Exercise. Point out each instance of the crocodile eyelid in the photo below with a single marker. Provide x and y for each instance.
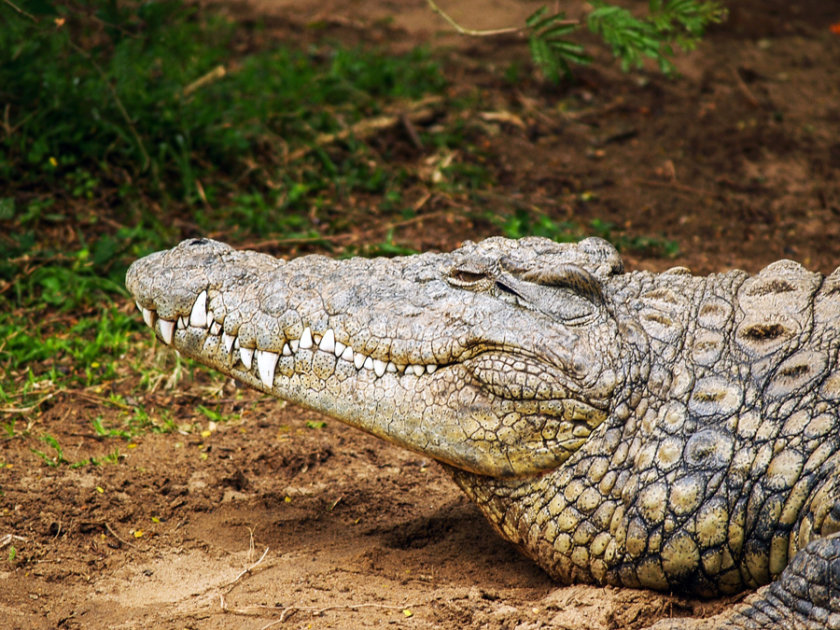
(570, 277)
(466, 277)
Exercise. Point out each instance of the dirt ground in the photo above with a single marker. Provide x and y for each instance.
(271, 520)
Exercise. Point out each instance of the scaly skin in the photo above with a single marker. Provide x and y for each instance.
(662, 431)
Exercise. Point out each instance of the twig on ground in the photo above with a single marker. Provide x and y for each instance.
(745, 90)
(31, 407)
(21, 11)
(471, 31)
(246, 570)
(214, 75)
(8, 539)
(411, 130)
(419, 111)
(79, 393)
(251, 545)
(422, 201)
(681, 188)
(115, 535)
(579, 115)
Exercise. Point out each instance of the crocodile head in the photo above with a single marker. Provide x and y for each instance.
(496, 358)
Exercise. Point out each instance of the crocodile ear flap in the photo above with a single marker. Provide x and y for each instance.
(567, 276)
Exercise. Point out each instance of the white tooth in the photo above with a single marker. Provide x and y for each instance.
(294, 344)
(390, 367)
(247, 356)
(215, 328)
(339, 348)
(148, 316)
(306, 338)
(359, 360)
(418, 370)
(236, 343)
(266, 362)
(287, 351)
(431, 368)
(198, 316)
(182, 323)
(378, 367)
(210, 317)
(347, 355)
(368, 363)
(328, 341)
(228, 341)
(167, 329)
(316, 340)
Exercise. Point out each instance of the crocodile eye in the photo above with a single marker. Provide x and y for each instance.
(464, 277)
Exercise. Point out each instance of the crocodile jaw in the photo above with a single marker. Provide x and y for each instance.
(432, 386)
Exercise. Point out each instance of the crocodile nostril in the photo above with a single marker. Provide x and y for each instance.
(198, 241)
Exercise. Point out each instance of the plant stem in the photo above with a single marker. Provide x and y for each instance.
(21, 11)
(469, 31)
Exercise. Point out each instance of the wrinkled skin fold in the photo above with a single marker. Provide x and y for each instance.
(662, 431)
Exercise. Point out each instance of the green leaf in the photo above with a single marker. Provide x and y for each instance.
(550, 50)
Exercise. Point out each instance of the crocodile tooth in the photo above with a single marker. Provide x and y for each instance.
(148, 316)
(418, 370)
(266, 362)
(328, 341)
(287, 351)
(400, 368)
(198, 316)
(339, 348)
(215, 328)
(378, 367)
(236, 343)
(368, 363)
(294, 344)
(228, 341)
(181, 324)
(306, 338)
(247, 356)
(391, 367)
(359, 360)
(431, 368)
(167, 330)
(347, 355)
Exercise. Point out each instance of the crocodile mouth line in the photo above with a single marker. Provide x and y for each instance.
(265, 362)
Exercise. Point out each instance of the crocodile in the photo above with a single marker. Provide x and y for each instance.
(648, 430)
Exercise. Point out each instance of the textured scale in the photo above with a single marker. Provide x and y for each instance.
(661, 431)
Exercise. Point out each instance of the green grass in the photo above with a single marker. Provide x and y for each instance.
(121, 111)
